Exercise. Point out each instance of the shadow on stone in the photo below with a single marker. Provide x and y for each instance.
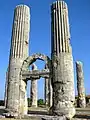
(82, 116)
(2, 111)
(38, 112)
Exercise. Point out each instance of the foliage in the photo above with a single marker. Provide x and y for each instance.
(29, 102)
(1, 102)
(41, 102)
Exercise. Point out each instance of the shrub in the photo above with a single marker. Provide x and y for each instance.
(41, 102)
(1, 102)
(29, 102)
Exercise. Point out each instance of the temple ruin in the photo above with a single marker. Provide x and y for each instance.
(58, 72)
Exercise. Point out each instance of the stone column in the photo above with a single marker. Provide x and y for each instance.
(6, 87)
(46, 92)
(34, 89)
(62, 62)
(16, 93)
(50, 93)
(46, 88)
(80, 85)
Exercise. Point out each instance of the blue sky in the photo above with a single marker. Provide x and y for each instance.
(79, 16)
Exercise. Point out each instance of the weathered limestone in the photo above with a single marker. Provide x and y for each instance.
(37, 56)
(48, 90)
(50, 93)
(6, 88)
(16, 100)
(59, 76)
(80, 85)
(34, 89)
(62, 62)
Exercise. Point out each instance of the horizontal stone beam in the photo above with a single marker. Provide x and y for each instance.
(35, 74)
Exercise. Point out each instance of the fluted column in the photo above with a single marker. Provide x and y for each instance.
(20, 32)
(80, 85)
(62, 62)
(34, 89)
(18, 52)
(60, 28)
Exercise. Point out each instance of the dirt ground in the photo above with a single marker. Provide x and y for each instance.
(38, 113)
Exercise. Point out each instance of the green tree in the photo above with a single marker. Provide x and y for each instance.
(29, 102)
(41, 102)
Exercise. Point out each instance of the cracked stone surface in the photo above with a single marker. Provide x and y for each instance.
(62, 62)
(16, 92)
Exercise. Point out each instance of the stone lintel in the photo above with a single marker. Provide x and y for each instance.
(25, 78)
(35, 74)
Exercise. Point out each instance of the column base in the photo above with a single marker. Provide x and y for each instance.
(62, 112)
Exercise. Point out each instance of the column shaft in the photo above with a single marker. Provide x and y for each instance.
(80, 85)
(34, 89)
(50, 93)
(18, 52)
(6, 88)
(62, 62)
(46, 91)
